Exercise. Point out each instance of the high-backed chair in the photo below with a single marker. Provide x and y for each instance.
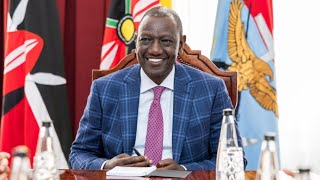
(191, 58)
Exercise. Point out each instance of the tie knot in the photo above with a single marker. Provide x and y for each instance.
(158, 91)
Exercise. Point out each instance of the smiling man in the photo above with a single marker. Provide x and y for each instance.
(167, 111)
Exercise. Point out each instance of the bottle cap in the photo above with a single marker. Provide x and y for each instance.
(46, 123)
(304, 170)
(269, 136)
(20, 151)
(228, 112)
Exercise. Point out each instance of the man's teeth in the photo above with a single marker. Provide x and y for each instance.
(155, 60)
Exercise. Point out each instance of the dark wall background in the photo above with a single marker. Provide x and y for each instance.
(2, 4)
(82, 25)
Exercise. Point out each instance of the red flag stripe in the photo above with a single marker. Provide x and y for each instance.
(145, 9)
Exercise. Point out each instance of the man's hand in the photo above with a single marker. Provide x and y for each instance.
(169, 164)
(4, 169)
(126, 160)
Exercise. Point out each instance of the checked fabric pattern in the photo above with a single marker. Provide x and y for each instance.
(154, 138)
(112, 107)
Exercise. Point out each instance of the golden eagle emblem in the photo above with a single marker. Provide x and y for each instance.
(252, 71)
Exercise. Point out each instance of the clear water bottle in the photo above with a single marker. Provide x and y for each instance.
(229, 162)
(304, 174)
(268, 164)
(20, 166)
(44, 159)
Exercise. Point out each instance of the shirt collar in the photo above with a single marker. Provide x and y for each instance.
(147, 83)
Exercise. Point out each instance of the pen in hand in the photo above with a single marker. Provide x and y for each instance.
(136, 151)
(138, 154)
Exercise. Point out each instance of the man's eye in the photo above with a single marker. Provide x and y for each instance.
(166, 42)
(145, 40)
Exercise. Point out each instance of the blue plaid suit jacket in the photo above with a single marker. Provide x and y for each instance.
(108, 125)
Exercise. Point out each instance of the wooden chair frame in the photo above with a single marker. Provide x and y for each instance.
(191, 58)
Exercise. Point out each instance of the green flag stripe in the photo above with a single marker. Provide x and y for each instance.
(111, 22)
(128, 5)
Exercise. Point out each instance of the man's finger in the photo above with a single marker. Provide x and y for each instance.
(165, 162)
(4, 155)
(124, 155)
(4, 162)
(169, 167)
(3, 176)
(134, 159)
(130, 160)
(4, 165)
(145, 163)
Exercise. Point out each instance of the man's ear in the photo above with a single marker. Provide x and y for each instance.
(182, 41)
(136, 53)
(135, 38)
(184, 38)
(136, 44)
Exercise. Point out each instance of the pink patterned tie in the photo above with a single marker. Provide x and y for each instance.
(154, 138)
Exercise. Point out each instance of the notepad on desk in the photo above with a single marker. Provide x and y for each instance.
(131, 171)
(128, 177)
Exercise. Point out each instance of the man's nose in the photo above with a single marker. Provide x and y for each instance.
(155, 48)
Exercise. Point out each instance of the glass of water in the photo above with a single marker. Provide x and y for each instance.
(233, 167)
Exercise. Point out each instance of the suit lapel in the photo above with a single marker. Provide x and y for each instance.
(181, 109)
(129, 103)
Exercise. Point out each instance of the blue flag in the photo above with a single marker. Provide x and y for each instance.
(243, 42)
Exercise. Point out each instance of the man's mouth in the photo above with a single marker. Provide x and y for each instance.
(155, 60)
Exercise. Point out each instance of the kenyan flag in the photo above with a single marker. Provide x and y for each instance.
(121, 24)
(34, 86)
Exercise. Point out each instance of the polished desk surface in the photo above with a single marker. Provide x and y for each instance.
(101, 174)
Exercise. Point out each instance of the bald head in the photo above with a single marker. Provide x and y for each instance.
(161, 11)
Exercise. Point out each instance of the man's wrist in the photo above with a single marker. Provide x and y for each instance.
(183, 168)
(103, 164)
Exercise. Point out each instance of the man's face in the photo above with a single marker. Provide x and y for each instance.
(158, 43)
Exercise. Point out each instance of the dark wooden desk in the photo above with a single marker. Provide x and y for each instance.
(101, 174)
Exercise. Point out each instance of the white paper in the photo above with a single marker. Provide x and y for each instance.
(131, 171)
(128, 177)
